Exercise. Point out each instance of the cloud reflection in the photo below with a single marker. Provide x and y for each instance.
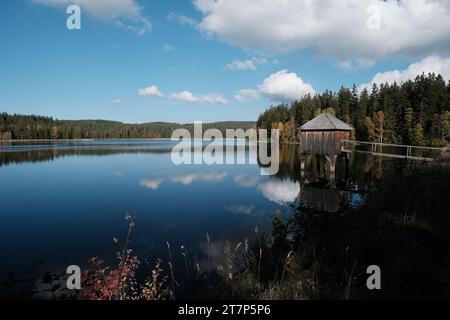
(280, 191)
(189, 178)
(246, 181)
(241, 209)
(151, 184)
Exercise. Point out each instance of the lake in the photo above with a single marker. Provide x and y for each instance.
(64, 202)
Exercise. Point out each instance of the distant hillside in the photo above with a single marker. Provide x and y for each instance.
(39, 127)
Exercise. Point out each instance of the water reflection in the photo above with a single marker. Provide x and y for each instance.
(241, 209)
(151, 184)
(246, 181)
(280, 191)
(187, 179)
(89, 185)
(332, 189)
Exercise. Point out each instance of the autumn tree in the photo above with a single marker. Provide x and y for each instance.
(417, 135)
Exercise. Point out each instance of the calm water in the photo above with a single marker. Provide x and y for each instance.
(64, 202)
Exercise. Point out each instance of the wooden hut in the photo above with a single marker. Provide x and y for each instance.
(323, 135)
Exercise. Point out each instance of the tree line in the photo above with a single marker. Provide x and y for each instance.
(17, 126)
(416, 112)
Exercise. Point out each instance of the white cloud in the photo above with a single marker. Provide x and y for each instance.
(125, 13)
(117, 101)
(187, 179)
(280, 191)
(432, 64)
(241, 65)
(332, 28)
(151, 184)
(185, 96)
(250, 64)
(285, 86)
(355, 64)
(246, 94)
(182, 19)
(151, 91)
(212, 98)
(167, 48)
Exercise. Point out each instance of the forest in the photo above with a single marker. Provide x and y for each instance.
(38, 127)
(413, 113)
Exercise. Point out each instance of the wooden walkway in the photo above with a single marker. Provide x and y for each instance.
(376, 149)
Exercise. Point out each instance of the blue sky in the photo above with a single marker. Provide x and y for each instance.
(187, 57)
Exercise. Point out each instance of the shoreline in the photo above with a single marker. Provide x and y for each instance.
(2, 142)
(51, 140)
(118, 139)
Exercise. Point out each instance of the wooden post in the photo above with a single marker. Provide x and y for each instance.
(331, 159)
(302, 165)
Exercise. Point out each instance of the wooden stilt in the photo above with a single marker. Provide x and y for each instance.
(331, 159)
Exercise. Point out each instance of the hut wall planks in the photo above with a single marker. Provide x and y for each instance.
(322, 142)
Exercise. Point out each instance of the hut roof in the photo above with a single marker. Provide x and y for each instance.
(325, 121)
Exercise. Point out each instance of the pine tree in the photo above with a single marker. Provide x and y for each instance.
(344, 101)
(378, 120)
(417, 135)
(361, 115)
(445, 125)
(354, 105)
(373, 100)
(370, 129)
(408, 125)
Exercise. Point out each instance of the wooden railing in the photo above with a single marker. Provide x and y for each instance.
(377, 149)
